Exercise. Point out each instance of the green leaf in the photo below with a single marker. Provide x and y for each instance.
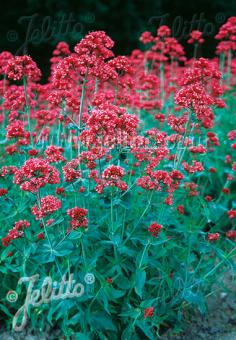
(195, 299)
(64, 248)
(102, 321)
(81, 336)
(140, 279)
(145, 328)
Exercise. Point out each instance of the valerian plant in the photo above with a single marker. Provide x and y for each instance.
(122, 168)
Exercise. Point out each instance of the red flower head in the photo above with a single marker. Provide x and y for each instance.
(35, 174)
(149, 312)
(48, 205)
(22, 66)
(213, 236)
(78, 217)
(155, 229)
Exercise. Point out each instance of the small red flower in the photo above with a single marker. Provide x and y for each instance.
(40, 236)
(155, 229)
(180, 209)
(208, 198)
(3, 192)
(231, 213)
(213, 236)
(231, 234)
(149, 312)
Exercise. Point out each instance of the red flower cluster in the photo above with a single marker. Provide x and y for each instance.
(16, 232)
(78, 217)
(148, 312)
(155, 229)
(196, 37)
(54, 154)
(47, 205)
(213, 236)
(195, 94)
(111, 177)
(3, 192)
(232, 213)
(35, 174)
(227, 33)
(22, 66)
(231, 234)
(71, 170)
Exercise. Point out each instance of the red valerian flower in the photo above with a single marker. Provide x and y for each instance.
(196, 37)
(71, 170)
(60, 191)
(16, 130)
(111, 176)
(232, 135)
(198, 149)
(40, 236)
(96, 44)
(226, 191)
(15, 232)
(231, 213)
(78, 217)
(208, 198)
(22, 66)
(227, 33)
(213, 236)
(195, 167)
(195, 93)
(33, 152)
(35, 174)
(3, 192)
(146, 37)
(5, 56)
(231, 234)
(180, 209)
(54, 154)
(48, 205)
(155, 229)
(19, 225)
(148, 312)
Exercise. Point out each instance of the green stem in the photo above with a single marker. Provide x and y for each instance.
(144, 212)
(195, 50)
(81, 107)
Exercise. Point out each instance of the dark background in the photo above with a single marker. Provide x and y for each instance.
(35, 27)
